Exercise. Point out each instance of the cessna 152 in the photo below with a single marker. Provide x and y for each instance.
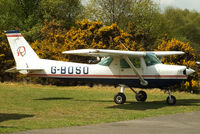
(124, 68)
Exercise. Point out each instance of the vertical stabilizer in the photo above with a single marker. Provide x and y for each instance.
(24, 55)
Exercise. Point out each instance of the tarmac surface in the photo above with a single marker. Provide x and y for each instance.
(184, 123)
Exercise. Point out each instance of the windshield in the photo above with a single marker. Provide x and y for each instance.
(151, 59)
(106, 61)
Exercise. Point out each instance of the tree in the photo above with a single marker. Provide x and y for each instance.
(21, 14)
(6, 58)
(109, 11)
(141, 18)
(65, 11)
(29, 15)
(50, 46)
(183, 25)
(32, 18)
(62, 12)
(10, 15)
(145, 23)
(30, 12)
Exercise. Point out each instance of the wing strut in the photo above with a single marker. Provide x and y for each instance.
(142, 81)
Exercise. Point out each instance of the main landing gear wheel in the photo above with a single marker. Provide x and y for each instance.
(141, 96)
(171, 100)
(120, 98)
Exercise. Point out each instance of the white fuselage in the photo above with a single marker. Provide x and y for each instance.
(159, 75)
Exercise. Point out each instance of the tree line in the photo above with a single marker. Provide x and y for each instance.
(53, 26)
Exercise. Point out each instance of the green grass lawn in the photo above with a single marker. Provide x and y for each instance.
(26, 107)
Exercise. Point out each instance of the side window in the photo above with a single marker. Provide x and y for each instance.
(135, 61)
(124, 64)
(106, 61)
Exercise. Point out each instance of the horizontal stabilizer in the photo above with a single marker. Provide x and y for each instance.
(106, 52)
(14, 69)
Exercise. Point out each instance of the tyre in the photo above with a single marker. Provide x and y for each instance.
(141, 96)
(120, 98)
(171, 101)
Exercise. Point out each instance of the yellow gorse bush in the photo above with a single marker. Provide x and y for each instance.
(194, 84)
(86, 34)
(188, 59)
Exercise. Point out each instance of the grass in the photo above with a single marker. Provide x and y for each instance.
(26, 107)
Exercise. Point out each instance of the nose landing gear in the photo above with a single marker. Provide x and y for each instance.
(171, 100)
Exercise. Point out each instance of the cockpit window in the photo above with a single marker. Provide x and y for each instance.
(135, 61)
(151, 59)
(106, 61)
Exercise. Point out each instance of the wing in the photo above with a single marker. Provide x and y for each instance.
(167, 53)
(118, 53)
(103, 52)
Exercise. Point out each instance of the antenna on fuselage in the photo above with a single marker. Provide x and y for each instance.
(123, 45)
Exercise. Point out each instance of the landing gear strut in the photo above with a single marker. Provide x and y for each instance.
(171, 100)
(140, 96)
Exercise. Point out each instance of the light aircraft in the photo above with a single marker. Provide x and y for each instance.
(131, 69)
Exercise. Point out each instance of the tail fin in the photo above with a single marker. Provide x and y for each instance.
(24, 55)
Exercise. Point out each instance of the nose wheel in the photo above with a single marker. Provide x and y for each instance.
(171, 100)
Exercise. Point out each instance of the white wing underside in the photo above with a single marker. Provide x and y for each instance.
(118, 53)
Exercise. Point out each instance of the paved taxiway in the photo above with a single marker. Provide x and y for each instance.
(184, 123)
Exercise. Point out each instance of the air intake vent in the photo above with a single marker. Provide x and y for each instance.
(184, 72)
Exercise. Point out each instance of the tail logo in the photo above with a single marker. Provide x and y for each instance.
(21, 51)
